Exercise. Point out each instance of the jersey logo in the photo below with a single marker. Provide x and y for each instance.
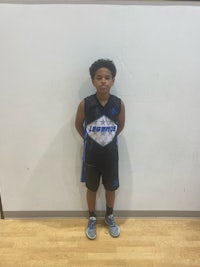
(102, 131)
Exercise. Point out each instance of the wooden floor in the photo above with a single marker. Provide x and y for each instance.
(62, 243)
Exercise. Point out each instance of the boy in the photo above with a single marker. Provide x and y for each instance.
(99, 120)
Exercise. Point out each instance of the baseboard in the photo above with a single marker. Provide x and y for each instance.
(118, 213)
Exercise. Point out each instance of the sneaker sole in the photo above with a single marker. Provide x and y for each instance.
(110, 232)
(89, 237)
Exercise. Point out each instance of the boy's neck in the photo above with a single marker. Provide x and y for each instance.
(103, 98)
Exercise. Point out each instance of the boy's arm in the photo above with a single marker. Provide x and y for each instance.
(121, 118)
(80, 117)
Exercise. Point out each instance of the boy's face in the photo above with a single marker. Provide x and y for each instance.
(103, 80)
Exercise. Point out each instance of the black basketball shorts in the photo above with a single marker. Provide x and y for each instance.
(108, 173)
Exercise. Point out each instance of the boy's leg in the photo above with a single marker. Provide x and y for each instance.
(110, 200)
(109, 218)
(111, 183)
(91, 201)
(92, 184)
(91, 228)
(92, 176)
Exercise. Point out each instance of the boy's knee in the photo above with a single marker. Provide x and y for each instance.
(92, 188)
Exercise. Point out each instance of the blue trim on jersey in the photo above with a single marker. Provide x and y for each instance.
(83, 179)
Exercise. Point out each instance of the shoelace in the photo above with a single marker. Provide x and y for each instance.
(111, 222)
(92, 224)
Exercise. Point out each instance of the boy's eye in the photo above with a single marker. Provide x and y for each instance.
(100, 78)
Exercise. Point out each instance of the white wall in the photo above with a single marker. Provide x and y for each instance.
(45, 53)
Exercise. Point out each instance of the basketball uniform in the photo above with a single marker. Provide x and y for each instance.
(100, 155)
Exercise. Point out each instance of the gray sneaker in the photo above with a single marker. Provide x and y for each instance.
(91, 228)
(114, 229)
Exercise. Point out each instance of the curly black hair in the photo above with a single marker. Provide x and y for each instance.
(102, 63)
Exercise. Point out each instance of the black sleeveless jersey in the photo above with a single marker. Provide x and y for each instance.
(100, 135)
